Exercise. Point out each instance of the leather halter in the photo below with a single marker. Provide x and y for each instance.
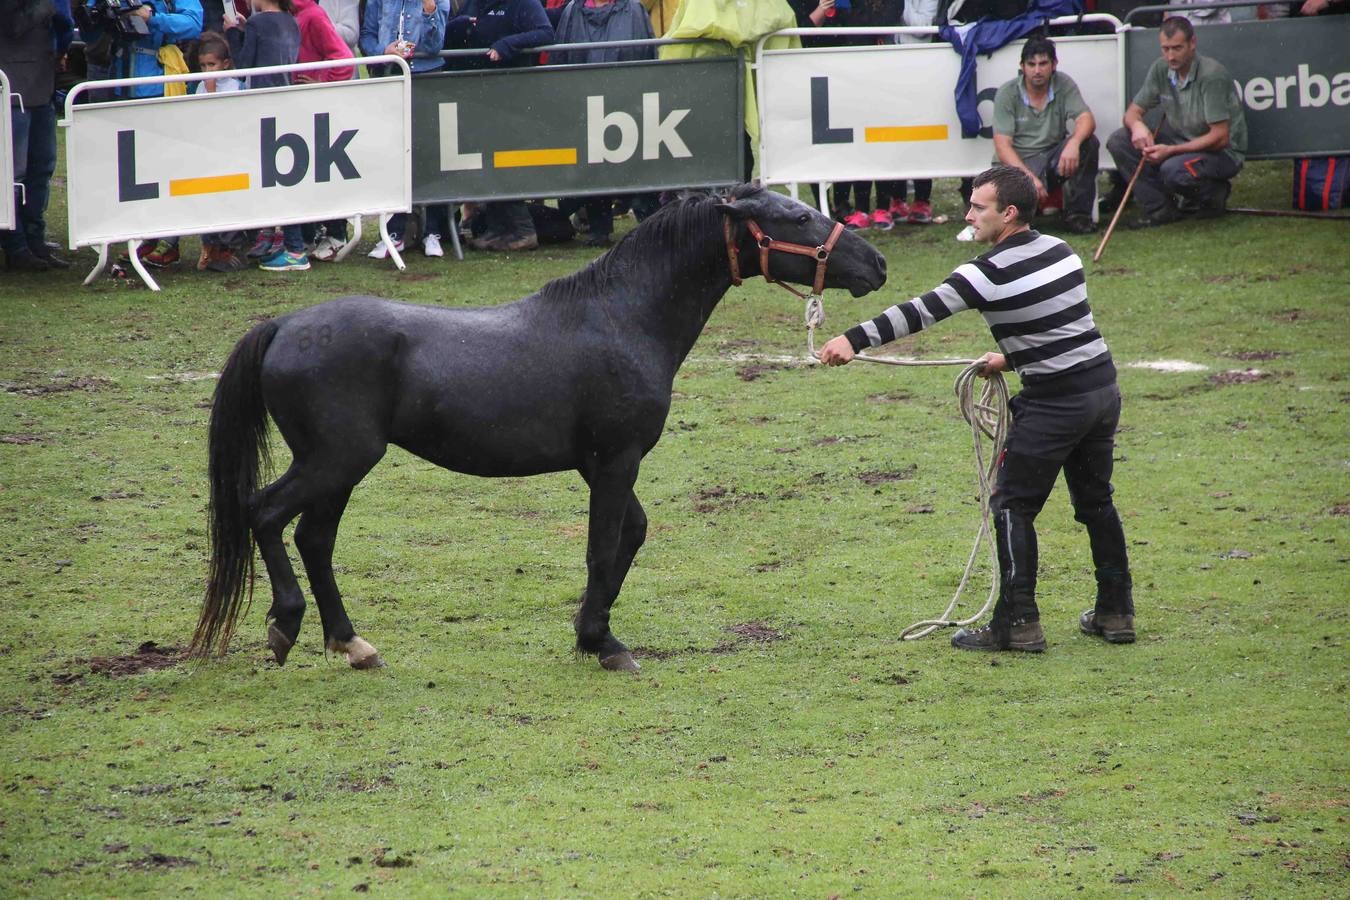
(766, 244)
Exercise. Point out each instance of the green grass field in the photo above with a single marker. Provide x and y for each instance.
(781, 739)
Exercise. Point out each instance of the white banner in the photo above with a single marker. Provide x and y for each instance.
(889, 112)
(247, 159)
(9, 216)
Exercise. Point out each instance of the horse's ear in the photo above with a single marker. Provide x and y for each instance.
(737, 209)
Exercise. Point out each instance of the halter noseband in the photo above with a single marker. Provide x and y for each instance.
(766, 244)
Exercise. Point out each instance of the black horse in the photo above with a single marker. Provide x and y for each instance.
(576, 376)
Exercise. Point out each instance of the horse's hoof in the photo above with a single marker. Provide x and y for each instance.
(360, 654)
(278, 643)
(620, 662)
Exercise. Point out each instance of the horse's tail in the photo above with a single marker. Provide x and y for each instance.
(237, 454)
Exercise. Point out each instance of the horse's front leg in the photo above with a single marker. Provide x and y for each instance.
(607, 559)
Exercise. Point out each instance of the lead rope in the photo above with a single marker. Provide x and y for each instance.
(989, 419)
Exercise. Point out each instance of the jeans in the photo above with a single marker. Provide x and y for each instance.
(34, 148)
(1202, 177)
(1080, 189)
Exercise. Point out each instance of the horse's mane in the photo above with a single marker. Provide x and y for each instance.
(662, 243)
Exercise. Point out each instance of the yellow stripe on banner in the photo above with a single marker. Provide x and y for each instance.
(215, 184)
(905, 133)
(515, 159)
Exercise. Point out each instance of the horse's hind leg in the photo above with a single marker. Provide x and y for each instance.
(272, 510)
(315, 535)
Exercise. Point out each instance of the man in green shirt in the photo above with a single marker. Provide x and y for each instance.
(1043, 127)
(1203, 141)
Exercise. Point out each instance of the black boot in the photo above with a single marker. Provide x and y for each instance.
(1015, 624)
(1112, 617)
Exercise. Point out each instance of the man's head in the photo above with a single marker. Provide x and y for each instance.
(1038, 63)
(1176, 37)
(1002, 202)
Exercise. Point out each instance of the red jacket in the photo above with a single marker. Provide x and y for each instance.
(319, 40)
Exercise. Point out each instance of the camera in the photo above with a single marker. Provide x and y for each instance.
(115, 16)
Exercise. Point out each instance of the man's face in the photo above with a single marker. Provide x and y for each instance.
(1178, 50)
(984, 215)
(1036, 71)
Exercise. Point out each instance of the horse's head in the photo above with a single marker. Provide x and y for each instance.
(775, 236)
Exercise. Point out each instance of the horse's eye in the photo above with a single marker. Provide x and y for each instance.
(803, 218)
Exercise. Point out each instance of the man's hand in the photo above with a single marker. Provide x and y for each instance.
(1140, 136)
(837, 352)
(1042, 194)
(1068, 159)
(991, 364)
(1156, 153)
(494, 56)
(145, 12)
(428, 7)
(1313, 7)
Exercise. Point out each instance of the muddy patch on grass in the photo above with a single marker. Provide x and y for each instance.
(755, 371)
(1289, 315)
(882, 477)
(159, 861)
(1255, 355)
(21, 439)
(148, 657)
(716, 499)
(898, 396)
(1240, 376)
(743, 636)
(58, 386)
(1341, 509)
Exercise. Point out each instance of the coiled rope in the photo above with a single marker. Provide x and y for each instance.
(989, 420)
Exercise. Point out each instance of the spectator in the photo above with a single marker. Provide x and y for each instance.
(1200, 147)
(1033, 113)
(220, 252)
(918, 14)
(346, 18)
(414, 30)
(271, 37)
(112, 56)
(600, 20)
(504, 28)
(320, 42)
(34, 35)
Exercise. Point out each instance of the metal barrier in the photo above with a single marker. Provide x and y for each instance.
(172, 165)
(9, 215)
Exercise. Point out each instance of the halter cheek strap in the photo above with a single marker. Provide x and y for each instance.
(767, 245)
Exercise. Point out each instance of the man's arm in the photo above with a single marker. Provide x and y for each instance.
(952, 296)
(1213, 141)
(1140, 136)
(1071, 157)
(1003, 149)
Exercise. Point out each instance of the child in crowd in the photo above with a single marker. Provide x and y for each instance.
(219, 251)
(270, 37)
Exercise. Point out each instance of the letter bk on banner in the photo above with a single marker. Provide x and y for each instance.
(247, 159)
(889, 112)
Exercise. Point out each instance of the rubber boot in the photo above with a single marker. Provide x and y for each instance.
(1015, 624)
(1112, 617)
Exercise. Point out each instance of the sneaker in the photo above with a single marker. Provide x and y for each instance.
(1024, 636)
(899, 211)
(164, 254)
(485, 241)
(268, 244)
(857, 221)
(223, 259)
(509, 243)
(920, 213)
(327, 248)
(285, 261)
(1114, 629)
(881, 220)
(142, 251)
(1079, 225)
(381, 250)
(431, 245)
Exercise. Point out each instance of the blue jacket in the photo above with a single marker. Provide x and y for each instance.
(63, 26)
(507, 26)
(380, 28)
(183, 24)
(986, 36)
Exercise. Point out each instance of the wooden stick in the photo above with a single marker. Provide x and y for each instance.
(1125, 199)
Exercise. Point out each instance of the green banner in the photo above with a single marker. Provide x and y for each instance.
(1293, 74)
(575, 130)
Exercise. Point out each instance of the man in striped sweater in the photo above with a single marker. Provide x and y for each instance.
(1031, 291)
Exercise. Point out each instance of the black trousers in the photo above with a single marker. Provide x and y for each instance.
(1075, 434)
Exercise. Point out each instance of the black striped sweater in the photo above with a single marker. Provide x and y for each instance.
(1033, 295)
